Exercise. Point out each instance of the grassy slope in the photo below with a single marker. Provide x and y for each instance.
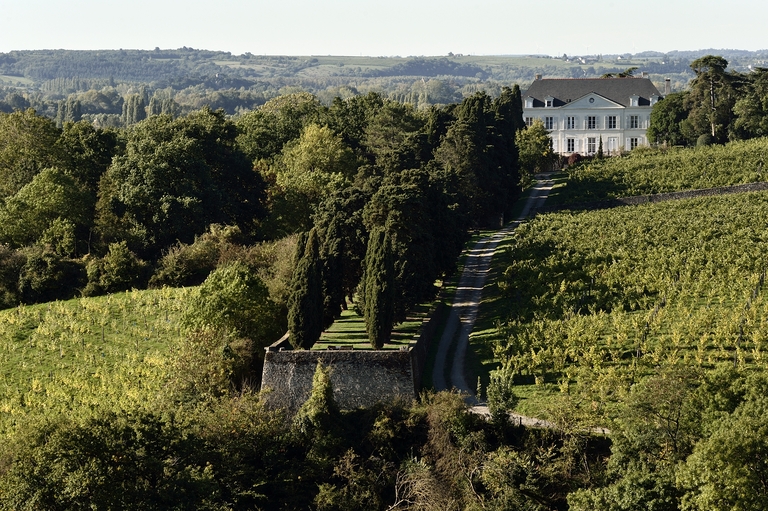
(654, 171)
(110, 350)
(349, 330)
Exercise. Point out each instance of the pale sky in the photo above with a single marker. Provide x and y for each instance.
(389, 27)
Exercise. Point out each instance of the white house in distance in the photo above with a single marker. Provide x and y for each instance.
(579, 111)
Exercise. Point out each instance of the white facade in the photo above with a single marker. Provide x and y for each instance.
(577, 125)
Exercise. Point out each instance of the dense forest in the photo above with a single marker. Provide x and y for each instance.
(163, 220)
(88, 211)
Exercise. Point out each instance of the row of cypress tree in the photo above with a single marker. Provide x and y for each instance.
(424, 181)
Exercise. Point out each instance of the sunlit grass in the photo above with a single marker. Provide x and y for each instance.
(109, 350)
(349, 331)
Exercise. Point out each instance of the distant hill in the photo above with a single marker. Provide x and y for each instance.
(238, 83)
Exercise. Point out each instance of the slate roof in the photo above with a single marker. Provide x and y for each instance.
(566, 90)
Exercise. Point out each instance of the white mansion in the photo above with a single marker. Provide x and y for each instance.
(579, 112)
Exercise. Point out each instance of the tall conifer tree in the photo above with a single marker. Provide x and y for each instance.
(332, 255)
(379, 288)
(305, 303)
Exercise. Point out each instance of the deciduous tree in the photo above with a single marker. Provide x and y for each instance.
(50, 195)
(234, 299)
(263, 132)
(535, 147)
(27, 146)
(728, 470)
(175, 179)
(668, 123)
(751, 108)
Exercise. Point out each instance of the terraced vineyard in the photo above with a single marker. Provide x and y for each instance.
(600, 299)
(648, 171)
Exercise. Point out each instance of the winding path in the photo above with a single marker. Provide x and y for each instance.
(453, 345)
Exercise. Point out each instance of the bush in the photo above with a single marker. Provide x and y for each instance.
(11, 263)
(501, 394)
(186, 265)
(574, 158)
(704, 140)
(135, 461)
(189, 265)
(209, 363)
(234, 299)
(60, 237)
(275, 266)
(119, 270)
(46, 277)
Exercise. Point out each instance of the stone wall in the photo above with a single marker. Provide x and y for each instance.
(360, 378)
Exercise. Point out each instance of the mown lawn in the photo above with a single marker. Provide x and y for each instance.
(349, 331)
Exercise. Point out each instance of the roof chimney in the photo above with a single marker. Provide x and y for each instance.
(538, 77)
(667, 87)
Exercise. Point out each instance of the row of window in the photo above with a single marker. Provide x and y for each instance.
(571, 144)
(590, 121)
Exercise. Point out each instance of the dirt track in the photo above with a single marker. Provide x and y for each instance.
(448, 372)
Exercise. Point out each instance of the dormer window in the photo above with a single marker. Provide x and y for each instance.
(529, 102)
(634, 100)
(549, 101)
(654, 99)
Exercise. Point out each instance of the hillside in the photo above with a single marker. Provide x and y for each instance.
(112, 352)
(102, 79)
(650, 171)
(637, 332)
(552, 269)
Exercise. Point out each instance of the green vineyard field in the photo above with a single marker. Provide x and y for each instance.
(649, 171)
(600, 299)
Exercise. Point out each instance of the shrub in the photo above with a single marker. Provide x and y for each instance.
(47, 276)
(209, 363)
(186, 265)
(501, 394)
(11, 263)
(119, 270)
(133, 461)
(60, 237)
(189, 265)
(320, 411)
(276, 268)
(574, 158)
(704, 140)
(234, 299)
